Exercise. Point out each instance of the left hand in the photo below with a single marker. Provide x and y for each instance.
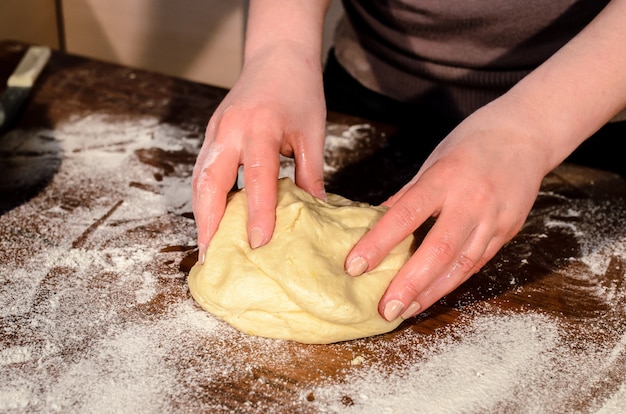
(482, 180)
(479, 184)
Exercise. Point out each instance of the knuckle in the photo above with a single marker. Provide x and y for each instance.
(199, 174)
(411, 288)
(479, 265)
(483, 189)
(202, 178)
(407, 287)
(371, 250)
(243, 118)
(376, 252)
(442, 251)
(261, 119)
(404, 217)
(228, 119)
(465, 264)
(480, 194)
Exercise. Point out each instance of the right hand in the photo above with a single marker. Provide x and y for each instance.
(276, 107)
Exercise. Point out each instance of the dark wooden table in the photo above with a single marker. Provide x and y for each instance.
(97, 238)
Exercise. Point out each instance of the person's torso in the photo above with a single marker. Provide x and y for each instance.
(468, 43)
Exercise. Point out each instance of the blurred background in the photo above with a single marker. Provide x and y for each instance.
(199, 40)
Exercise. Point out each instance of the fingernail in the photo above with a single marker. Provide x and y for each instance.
(201, 253)
(256, 237)
(357, 266)
(411, 310)
(393, 309)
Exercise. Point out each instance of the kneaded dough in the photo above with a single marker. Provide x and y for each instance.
(295, 287)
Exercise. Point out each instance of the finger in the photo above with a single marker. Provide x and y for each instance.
(310, 165)
(444, 248)
(455, 278)
(404, 217)
(213, 177)
(260, 168)
(469, 261)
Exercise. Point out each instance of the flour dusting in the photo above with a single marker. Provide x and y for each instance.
(95, 314)
(496, 363)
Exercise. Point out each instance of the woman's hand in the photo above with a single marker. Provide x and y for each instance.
(276, 107)
(479, 184)
(482, 180)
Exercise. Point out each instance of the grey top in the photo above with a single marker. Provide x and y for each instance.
(456, 54)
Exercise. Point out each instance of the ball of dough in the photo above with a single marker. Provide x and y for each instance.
(295, 287)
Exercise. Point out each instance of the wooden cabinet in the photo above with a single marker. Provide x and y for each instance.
(199, 40)
(30, 21)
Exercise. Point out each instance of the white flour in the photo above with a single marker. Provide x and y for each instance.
(97, 318)
(497, 363)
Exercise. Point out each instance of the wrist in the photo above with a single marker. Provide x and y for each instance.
(533, 129)
(294, 24)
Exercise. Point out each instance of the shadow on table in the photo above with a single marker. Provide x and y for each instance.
(28, 162)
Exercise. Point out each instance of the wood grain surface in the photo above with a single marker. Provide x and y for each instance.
(97, 238)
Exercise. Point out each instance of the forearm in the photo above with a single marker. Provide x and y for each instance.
(295, 24)
(577, 90)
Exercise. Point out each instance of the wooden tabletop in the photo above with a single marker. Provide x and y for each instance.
(97, 238)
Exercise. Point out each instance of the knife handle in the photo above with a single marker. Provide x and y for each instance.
(30, 67)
